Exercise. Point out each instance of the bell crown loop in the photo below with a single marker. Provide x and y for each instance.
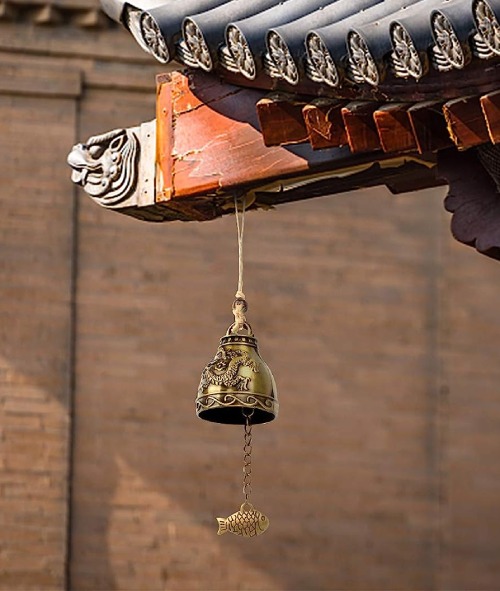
(240, 306)
(235, 329)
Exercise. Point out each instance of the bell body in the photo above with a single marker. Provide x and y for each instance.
(235, 382)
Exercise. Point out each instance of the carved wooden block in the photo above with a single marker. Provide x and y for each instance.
(281, 120)
(490, 103)
(394, 128)
(360, 127)
(324, 123)
(465, 120)
(429, 126)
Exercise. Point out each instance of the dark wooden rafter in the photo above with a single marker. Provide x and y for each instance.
(429, 126)
(490, 104)
(324, 123)
(466, 122)
(394, 128)
(360, 127)
(367, 126)
(281, 117)
(210, 141)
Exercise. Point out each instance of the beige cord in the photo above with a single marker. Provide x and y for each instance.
(240, 225)
(240, 305)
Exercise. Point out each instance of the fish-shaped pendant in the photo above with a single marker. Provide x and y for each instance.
(247, 522)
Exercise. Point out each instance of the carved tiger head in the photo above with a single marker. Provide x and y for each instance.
(106, 166)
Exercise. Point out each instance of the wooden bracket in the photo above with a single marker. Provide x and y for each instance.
(324, 123)
(206, 146)
(394, 128)
(281, 121)
(465, 120)
(360, 127)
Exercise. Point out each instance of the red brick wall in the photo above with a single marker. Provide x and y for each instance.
(41, 75)
(35, 338)
(381, 471)
(366, 477)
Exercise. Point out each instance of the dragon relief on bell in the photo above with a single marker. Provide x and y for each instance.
(224, 370)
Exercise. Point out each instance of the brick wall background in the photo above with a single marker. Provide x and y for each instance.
(382, 471)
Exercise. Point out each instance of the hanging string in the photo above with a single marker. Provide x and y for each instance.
(240, 305)
(240, 225)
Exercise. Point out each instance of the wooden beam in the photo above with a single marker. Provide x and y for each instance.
(394, 128)
(205, 147)
(209, 143)
(164, 139)
(324, 123)
(466, 123)
(429, 127)
(362, 135)
(281, 120)
(490, 104)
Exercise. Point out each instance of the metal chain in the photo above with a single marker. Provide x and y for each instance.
(247, 457)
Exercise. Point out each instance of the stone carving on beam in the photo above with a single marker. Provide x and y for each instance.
(113, 167)
(487, 39)
(448, 52)
(405, 59)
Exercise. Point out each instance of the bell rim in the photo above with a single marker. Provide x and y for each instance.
(265, 404)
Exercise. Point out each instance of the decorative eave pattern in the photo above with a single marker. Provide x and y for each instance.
(363, 49)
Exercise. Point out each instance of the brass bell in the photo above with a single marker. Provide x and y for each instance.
(237, 381)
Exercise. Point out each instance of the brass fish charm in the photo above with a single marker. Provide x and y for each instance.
(246, 522)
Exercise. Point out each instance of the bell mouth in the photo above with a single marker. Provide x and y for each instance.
(235, 416)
